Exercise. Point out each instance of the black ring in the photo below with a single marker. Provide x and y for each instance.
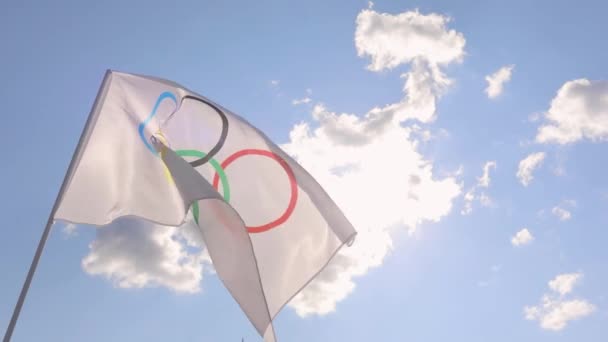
(223, 135)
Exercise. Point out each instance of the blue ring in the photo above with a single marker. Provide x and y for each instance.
(142, 125)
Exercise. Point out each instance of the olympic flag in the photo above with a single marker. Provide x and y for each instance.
(155, 150)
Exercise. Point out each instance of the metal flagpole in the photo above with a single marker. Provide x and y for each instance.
(47, 229)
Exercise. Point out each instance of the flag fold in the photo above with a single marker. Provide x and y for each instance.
(155, 150)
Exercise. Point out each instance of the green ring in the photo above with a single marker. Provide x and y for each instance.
(218, 169)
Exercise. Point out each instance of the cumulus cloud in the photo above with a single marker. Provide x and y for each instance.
(474, 193)
(527, 167)
(275, 83)
(423, 42)
(409, 190)
(578, 111)
(346, 151)
(407, 186)
(564, 283)
(522, 237)
(554, 314)
(376, 153)
(393, 40)
(136, 254)
(555, 311)
(497, 80)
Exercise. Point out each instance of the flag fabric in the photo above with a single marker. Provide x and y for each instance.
(155, 150)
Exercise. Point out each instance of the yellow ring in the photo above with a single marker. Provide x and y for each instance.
(160, 136)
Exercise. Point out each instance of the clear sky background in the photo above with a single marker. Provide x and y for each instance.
(449, 250)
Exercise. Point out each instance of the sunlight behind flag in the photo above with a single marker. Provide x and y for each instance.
(154, 150)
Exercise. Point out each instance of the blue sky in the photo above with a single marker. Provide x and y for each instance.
(447, 275)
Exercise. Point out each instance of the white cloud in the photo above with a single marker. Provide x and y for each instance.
(555, 314)
(561, 213)
(425, 83)
(420, 40)
(522, 237)
(345, 151)
(578, 111)
(275, 83)
(376, 153)
(497, 80)
(370, 4)
(303, 100)
(484, 180)
(527, 167)
(392, 40)
(555, 311)
(472, 194)
(410, 192)
(469, 197)
(564, 283)
(136, 254)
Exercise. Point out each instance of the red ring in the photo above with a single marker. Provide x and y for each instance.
(292, 182)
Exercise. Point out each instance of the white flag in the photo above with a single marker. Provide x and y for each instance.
(268, 225)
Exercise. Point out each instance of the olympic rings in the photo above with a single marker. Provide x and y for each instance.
(222, 139)
(215, 149)
(292, 182)
(219, 171)
(140, 128)
(220, 174)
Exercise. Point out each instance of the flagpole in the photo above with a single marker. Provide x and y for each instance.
(47, 229)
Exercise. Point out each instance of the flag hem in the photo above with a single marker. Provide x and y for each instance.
(329, 260)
